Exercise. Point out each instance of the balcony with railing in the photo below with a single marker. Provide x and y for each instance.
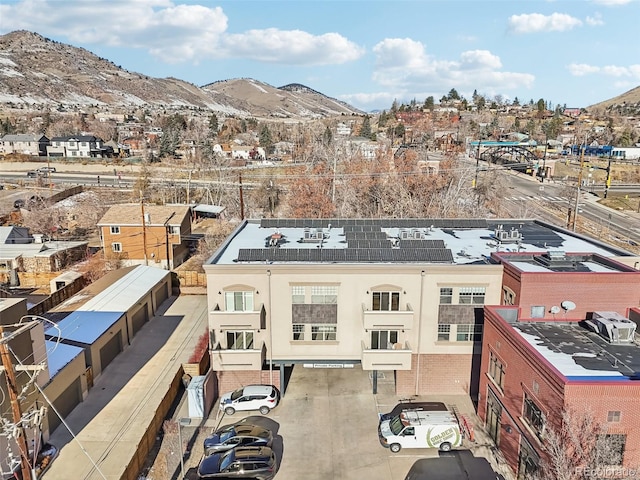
(397, 357)
(242, 320)
(237, 359)
(387, 319)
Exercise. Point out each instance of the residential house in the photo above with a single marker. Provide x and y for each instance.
(25, 144)
(78, 146)
(33, 260)
(156, 235)
(343, 129)
(402, 297)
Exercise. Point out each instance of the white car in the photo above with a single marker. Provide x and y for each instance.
(251, 397)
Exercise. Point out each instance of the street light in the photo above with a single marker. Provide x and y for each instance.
(183, 422)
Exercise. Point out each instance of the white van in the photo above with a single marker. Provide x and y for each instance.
(421, 429)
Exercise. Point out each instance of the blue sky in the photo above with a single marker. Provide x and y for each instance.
(366, 53)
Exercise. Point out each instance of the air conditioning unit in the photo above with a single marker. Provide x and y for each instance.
(613, 327)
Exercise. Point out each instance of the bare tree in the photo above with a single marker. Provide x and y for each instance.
(581, 448)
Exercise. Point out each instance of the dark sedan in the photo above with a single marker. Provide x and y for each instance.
(258, 463)
(237, 435)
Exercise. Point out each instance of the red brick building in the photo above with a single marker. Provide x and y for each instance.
(567, 343)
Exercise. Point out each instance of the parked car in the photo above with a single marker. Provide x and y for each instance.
(47, 170)
(417, 406)
(19, 203)
(258, 463)
(421, 429)
(237, 435)
(251, 397)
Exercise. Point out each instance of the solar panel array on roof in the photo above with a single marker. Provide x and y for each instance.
(378, 235)
(360, 228)
(536, 235)
(426, 243)
(363, 255)
(381, 223)
(369, 243)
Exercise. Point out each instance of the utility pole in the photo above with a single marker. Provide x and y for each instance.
(475, 180)
(15, 403)
(144, 231)
(607, 183)
(575, 211)
(241, 197)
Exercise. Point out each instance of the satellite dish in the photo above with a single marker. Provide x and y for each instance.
(555, 309)
(568, 305)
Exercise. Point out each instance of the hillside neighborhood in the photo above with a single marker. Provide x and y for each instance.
(476, 254)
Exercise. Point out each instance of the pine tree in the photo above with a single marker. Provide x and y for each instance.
(365, 129)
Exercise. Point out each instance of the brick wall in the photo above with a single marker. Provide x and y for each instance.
(445, 374)
(227, 381)
(600, 399)
(524, 373)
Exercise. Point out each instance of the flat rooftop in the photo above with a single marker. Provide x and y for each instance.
(444, 241)
(579, 353)
(560, 261)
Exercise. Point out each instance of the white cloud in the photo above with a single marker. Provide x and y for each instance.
(537, 22)
(479, 59)
(403, 65)
(612, 3)
(594, 21)
(581, 69)
(293, 47)
(615, 71)
(175, 33)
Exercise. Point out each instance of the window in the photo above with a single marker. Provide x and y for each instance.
(298, 332)
(238, 301)
(508, 296)
(386, 301)
(496, 370)
(383, 339)
(239, 340)
(444, 332)
(323, 332)
(613, 416)
(537, 311)
(115, 230)
(469, 333)
(472, 295)
(324, 294)
(297, 294)
(446, 295)
(116, 247)
(533, 416)
(612, 446)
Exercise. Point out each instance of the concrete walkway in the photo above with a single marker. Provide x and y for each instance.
(113, 420)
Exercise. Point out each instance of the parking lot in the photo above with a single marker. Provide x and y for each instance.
(326, 428)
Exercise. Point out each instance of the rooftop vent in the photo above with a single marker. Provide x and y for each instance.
(313, 234)
(613, 327)
(504, 236)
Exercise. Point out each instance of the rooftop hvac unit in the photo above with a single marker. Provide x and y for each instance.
(613, 327)
(504, 236)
